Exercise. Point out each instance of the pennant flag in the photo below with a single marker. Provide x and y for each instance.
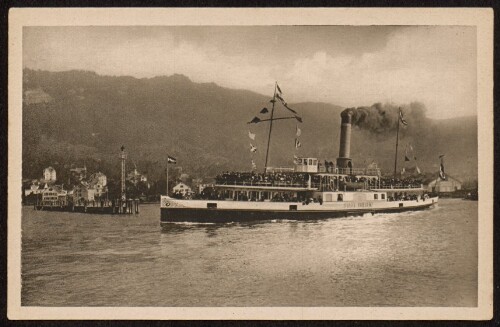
(407, 159)
(264, 111)
(403, 171)
(251, 135)
(253, 148)
(411, 147)
(298, 119)
(280, 98)
(171, 160)
(278, 88)
(255, 120)
(442, 175)
(297, 143)
(298, 131)
(254, 166)
(418, 170)
(403, 121)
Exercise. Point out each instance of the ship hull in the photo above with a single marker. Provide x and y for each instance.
(225, 215)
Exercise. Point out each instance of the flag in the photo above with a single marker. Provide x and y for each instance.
(297, 144)
(253, 148)
(284, 103)
(251, 135)
(406, 154)
(278, 88)
(264, 111)
(298, 131)
(171, 160)
(254, 166)
(406, 158)
(403, 171)
(298, 119)
(255, 120)
(295, 159)
(403, 121)
(418, 169)
(442, 175)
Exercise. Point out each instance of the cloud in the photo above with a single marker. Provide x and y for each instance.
(432, 65)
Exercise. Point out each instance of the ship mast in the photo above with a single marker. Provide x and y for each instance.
(270, 127)
(396, 155)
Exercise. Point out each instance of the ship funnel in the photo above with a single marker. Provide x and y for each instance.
(344, 160)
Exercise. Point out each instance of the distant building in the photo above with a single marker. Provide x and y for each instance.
(182, 189)
(49, 174)
(135, 177)
(98, 182)
(83, 193)
(35, 188)
(449, 185)
(79, 173)
(54, 196)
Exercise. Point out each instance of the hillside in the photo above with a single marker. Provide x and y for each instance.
(75, 117)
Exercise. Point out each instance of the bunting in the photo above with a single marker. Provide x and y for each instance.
(264, 111)
(278, 88)
(251, 135)
(254, 166)
(298, 131)
(403, 121)
(297, 144)
(255, 120)
(253, 148)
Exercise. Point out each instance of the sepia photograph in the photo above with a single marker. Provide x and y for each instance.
(247, 164)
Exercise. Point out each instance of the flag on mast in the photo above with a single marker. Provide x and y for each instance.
(278, 88)
(171, 160)
(297, 144)
(442, 175)
(403, 121)
(298, 131)
(251, 135)
(264, 111)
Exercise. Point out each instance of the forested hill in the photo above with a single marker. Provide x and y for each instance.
(76, 117)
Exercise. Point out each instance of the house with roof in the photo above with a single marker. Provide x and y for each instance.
(438, 185)
(49, 175)
(182, 189)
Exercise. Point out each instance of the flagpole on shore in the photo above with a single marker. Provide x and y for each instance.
(397, 141)
(270, 127)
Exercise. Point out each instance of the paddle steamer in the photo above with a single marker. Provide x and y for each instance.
(309, 190)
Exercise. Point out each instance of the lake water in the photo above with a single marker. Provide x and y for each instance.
(424, 258)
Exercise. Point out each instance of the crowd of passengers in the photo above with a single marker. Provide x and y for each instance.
(302, 179)
(253, 178)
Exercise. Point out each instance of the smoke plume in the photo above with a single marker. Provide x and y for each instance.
(383, 118)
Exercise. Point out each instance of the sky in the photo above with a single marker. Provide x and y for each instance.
(349, 66)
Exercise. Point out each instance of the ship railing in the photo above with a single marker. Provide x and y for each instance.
(358, 171)
(263, 183)
(396, 186)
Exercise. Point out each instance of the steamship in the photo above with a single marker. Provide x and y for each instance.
(309, 190)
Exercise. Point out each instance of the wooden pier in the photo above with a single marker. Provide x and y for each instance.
(129, 206)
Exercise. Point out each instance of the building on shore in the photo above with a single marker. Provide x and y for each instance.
(135, 177)
(182, 189)
(79, 173)
(98, 181)
(54, 196)
(49, 175)
(449, 185)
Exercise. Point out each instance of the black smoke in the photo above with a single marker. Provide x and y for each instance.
(382, 119)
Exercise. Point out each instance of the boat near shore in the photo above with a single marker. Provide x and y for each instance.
(309, 190)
